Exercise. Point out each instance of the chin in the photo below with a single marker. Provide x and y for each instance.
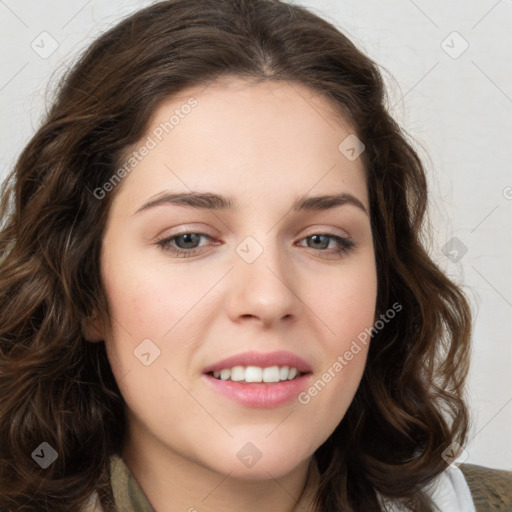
(250, 462)
(262, 470)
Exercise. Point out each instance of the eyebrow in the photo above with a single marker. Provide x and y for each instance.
(211, 201)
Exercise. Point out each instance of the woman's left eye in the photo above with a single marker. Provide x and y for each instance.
(185, 245)
(343, 244)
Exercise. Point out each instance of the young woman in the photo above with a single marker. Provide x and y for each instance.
(214, 294)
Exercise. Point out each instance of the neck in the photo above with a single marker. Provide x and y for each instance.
(173, 483)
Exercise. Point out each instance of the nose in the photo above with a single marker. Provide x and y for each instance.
(264, 290)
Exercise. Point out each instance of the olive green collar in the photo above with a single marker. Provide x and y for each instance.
(127, 493)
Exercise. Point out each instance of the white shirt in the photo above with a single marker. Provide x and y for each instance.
(449, 492)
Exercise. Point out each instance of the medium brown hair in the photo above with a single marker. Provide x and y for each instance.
(58, 388)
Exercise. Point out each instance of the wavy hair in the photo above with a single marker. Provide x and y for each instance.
(58, 388)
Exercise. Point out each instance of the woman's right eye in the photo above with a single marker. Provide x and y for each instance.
(186, 239)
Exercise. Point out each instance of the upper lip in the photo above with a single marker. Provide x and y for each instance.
(263, 360)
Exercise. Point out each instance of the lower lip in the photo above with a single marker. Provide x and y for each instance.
(260, 394)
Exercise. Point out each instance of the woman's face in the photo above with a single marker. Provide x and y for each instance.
(272, 280)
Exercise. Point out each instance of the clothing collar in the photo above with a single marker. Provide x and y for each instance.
(127, 493)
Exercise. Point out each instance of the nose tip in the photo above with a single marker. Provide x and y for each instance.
(263, 290)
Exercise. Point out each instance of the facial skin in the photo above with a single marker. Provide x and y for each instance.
(265, 145)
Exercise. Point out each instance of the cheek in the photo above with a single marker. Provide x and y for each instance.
(350, 316)
(152, 310)
(345, 303)
(346, 307)
(145, 300)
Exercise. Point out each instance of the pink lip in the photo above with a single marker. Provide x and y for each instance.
(260, 394)
(279, 358)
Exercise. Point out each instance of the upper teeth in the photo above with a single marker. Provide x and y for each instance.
(256, 374)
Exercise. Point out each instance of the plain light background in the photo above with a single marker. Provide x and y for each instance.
(449, 74)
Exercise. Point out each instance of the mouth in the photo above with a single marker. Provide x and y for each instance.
(251, 374)
(259, 380)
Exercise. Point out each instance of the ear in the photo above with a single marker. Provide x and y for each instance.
(92, 328)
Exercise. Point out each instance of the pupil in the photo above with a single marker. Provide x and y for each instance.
(187, 238)
(316, 238)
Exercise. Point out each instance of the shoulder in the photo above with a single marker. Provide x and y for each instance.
(473, 488)
(468, 488)
(491, 488)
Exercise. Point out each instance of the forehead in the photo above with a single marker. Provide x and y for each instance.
(262, 137)
(274, 103)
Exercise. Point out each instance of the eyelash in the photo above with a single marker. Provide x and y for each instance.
(346, 245)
